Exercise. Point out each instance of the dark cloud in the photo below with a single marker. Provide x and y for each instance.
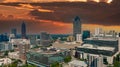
(90, 13)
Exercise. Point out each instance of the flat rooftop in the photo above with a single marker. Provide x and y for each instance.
(90, 46)
(66, 45)
(78, 63)
(48, 51)
(103, 38)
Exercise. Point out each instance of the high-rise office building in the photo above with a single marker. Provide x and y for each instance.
(45, 39)
(14, 31)
(76, 26)
(23, 30)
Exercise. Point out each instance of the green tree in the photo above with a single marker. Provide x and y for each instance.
(116, 61)
(67, 59)
(55, 64)
(6, 53)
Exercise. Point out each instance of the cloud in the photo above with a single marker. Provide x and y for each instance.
(103, 14)
(34, 26)
(5, 1)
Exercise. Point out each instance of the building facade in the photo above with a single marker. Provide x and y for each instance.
(76, 26)
(23, 30)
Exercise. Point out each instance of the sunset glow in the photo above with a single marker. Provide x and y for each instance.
(109, 1)
(5, 1)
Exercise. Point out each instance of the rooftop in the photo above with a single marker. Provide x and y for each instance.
(90, 46)
(66, 45)
(48, 51)
(78, 63)
(103, 38)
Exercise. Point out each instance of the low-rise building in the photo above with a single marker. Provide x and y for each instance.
(45, 57)
(5, 61)
(77, 63)
(13, 55)
(98, 52)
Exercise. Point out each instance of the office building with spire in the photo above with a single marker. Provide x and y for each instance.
(76, 26)
(23, 30)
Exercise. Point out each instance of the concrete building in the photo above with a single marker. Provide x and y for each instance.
(15, 42)
(23, 47)
(14, 55)
(76, 26)
(98, 31)
(79, 38)
(98, 52)
(45, 39)
(5, 46)
(70, 39)
(46, 56)
(77, 63)
(5, 61)
(86, 34)
(23, 30)
(14, 31)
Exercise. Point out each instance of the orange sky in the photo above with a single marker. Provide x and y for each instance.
(108, 1)
(50, 25)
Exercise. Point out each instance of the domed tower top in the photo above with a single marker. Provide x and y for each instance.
(77, 18)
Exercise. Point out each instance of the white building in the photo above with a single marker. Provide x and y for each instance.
(5, 61)
(98, 31)
(78, 38)
(19, 41)
(13, 55)
(76, 63)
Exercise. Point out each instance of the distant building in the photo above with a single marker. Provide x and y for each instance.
(4, 37)
(15, 43)
(45, 39)
(33, 40)
(23, 30)
(98, 31)
(79, 38)
(86, 34)
(5, 46)
(70, 39)
(76, 26)
(14, 31)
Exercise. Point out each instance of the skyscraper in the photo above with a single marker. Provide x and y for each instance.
(23, 30)
(45, 39)
(76, 26)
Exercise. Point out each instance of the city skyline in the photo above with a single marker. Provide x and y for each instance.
(58, 17)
